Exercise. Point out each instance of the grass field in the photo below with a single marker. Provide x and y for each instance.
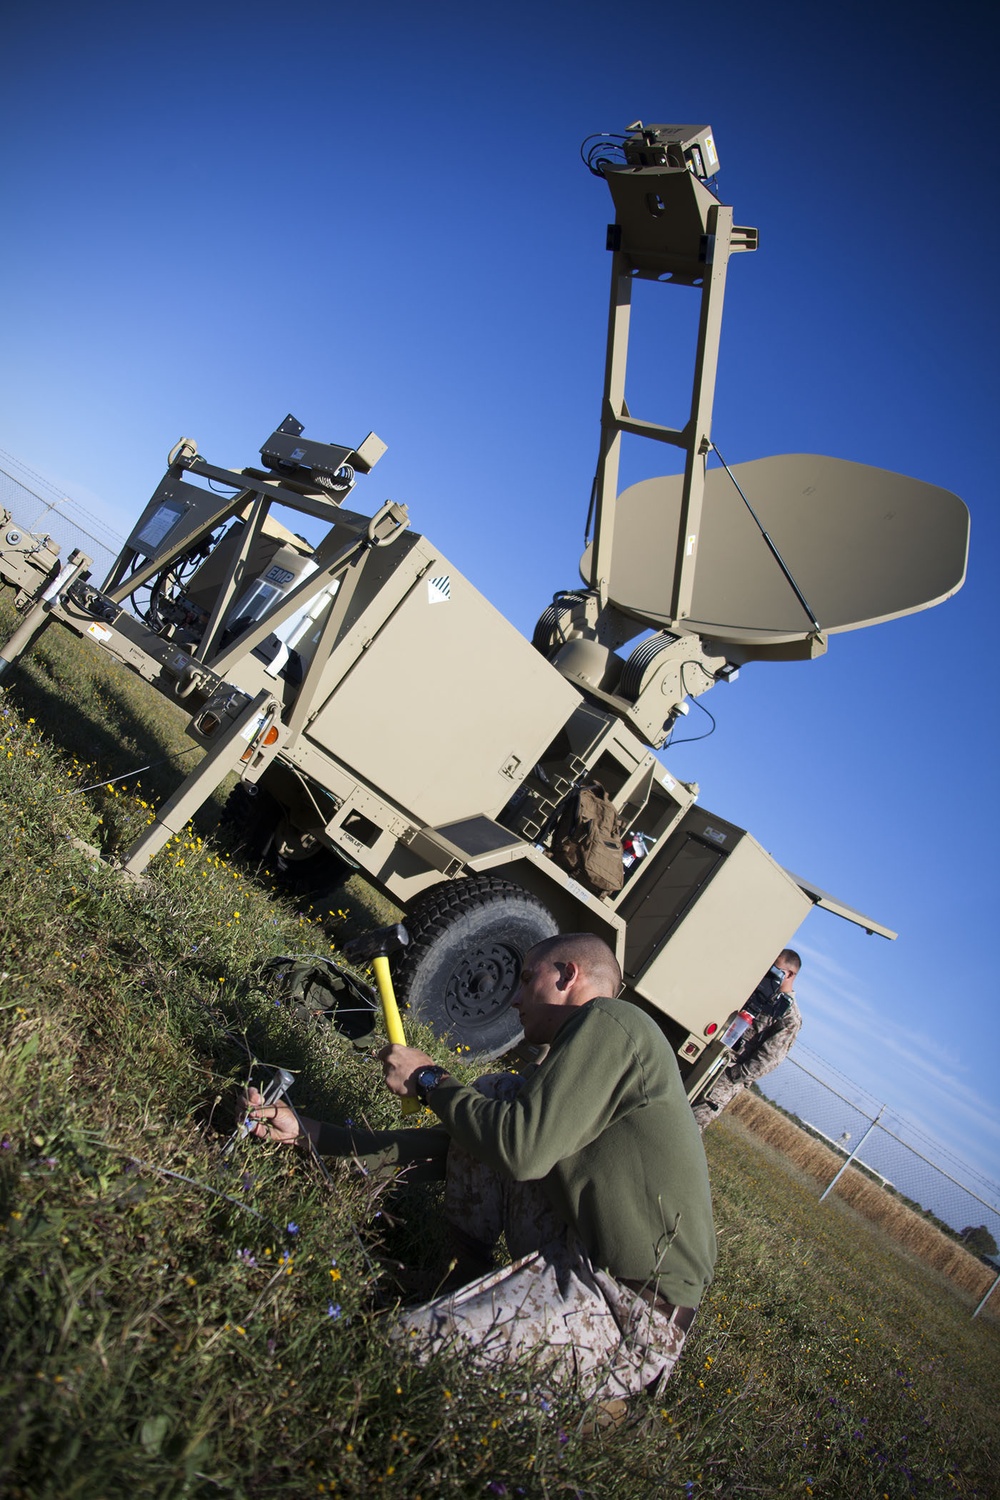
(177, 1327)
(884, 1209)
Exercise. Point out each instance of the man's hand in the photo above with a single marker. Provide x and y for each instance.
(398, 1067)
(271, 1122)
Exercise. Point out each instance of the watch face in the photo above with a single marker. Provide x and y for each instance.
(427, 1078)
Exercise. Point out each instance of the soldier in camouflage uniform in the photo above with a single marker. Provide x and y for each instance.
(593, 1169)
(760, 1049)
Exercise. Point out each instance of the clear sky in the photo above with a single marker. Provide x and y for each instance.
(376, 217)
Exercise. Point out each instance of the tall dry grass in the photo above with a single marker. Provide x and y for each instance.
(875, 1203)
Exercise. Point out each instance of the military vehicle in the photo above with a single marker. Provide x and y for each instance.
(29, 561)
(380, 712)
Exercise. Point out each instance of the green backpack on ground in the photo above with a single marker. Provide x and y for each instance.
(315, 988)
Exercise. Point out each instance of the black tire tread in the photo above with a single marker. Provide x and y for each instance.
(433, 913)
(249, 820)
(431, 916)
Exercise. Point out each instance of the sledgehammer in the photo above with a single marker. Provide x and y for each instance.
(374, 948)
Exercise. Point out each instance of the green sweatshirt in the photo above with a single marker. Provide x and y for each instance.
(605, 1126)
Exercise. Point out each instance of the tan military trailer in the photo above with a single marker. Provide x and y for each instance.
(29, 561)
(382, 714)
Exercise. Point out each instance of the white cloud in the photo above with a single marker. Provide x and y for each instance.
(919, 1075)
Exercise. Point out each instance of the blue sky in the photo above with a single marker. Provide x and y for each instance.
(378, 219)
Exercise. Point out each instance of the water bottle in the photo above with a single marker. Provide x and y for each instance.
(741, 1021)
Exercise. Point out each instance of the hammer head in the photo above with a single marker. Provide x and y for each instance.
(377, 944)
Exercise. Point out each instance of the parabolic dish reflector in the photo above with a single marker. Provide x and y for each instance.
(863, 545)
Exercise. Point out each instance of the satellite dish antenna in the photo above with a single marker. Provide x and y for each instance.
(863, 545)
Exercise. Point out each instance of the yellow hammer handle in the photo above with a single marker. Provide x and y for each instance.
(390, 1014)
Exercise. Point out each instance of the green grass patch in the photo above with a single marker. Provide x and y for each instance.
(109, 722)
(179, 1325)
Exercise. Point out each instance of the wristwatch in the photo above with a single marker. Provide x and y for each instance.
(428, 1078)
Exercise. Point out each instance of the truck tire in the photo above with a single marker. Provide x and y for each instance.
(248, 821)
(462, 967)
(252, 821)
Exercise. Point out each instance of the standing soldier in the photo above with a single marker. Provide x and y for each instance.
(760, 1049)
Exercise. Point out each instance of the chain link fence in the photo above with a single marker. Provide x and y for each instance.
(37, 506)
(892, 1151)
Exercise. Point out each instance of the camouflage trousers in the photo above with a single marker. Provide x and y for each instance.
(557, 1316)
(720, 1094)
(551, 1310)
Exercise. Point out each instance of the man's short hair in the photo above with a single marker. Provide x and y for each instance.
(792, 956)
(591, 955)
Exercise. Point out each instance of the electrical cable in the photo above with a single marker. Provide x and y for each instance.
(615, 143)
(693, 738)
(701, 668)
(169, 585)
(203, 1187)
(174, 755)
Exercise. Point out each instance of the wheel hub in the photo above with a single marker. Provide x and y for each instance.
(482, 985)
(292, 844)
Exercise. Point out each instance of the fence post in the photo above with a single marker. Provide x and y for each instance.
(853, 1154)
(52, 505)
(987, 1297)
